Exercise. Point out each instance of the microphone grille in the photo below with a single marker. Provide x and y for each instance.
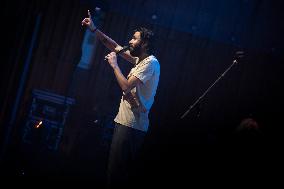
(124, 48)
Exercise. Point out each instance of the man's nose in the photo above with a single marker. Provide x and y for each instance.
(130, 42)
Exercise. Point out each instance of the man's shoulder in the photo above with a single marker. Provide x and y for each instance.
(155, 61)
(152, 60)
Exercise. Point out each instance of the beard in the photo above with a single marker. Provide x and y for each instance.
(135, 51)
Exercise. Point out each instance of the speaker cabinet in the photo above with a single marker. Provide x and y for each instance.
(46, 119)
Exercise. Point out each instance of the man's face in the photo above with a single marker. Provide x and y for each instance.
(135, 45)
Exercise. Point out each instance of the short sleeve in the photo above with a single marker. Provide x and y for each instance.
(144, 71)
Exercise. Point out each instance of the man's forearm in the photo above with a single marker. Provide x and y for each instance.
(113, 46)
(107, 41)
(122, 81)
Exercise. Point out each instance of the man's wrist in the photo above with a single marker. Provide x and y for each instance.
(94, 29)
(115, 68)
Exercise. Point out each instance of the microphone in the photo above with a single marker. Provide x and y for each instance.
(124, 48)
(238, 55)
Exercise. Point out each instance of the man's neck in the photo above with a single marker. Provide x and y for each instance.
(143, 56)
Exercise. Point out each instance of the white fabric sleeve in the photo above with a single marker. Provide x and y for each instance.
(144, 72)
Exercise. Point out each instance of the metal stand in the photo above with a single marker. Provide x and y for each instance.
(239, 54)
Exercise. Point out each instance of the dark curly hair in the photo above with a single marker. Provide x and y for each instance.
(147, 36)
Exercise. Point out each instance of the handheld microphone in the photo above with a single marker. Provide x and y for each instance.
(124, 48)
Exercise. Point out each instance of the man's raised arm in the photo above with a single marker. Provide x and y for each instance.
(107, 41)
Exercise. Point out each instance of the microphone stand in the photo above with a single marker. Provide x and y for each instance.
(239, 54)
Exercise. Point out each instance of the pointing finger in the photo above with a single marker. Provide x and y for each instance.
(89, 13)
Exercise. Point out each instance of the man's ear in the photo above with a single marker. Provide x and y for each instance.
(144, 44)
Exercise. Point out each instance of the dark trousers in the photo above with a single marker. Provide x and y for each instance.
(125, 147)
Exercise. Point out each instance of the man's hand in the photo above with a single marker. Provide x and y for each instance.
(89, 22)
(112, 59)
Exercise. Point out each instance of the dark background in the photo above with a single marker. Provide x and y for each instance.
(196, 41)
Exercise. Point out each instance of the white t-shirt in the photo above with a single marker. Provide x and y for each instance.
(135, 115)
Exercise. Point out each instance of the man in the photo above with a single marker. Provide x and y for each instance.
(139, 89)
